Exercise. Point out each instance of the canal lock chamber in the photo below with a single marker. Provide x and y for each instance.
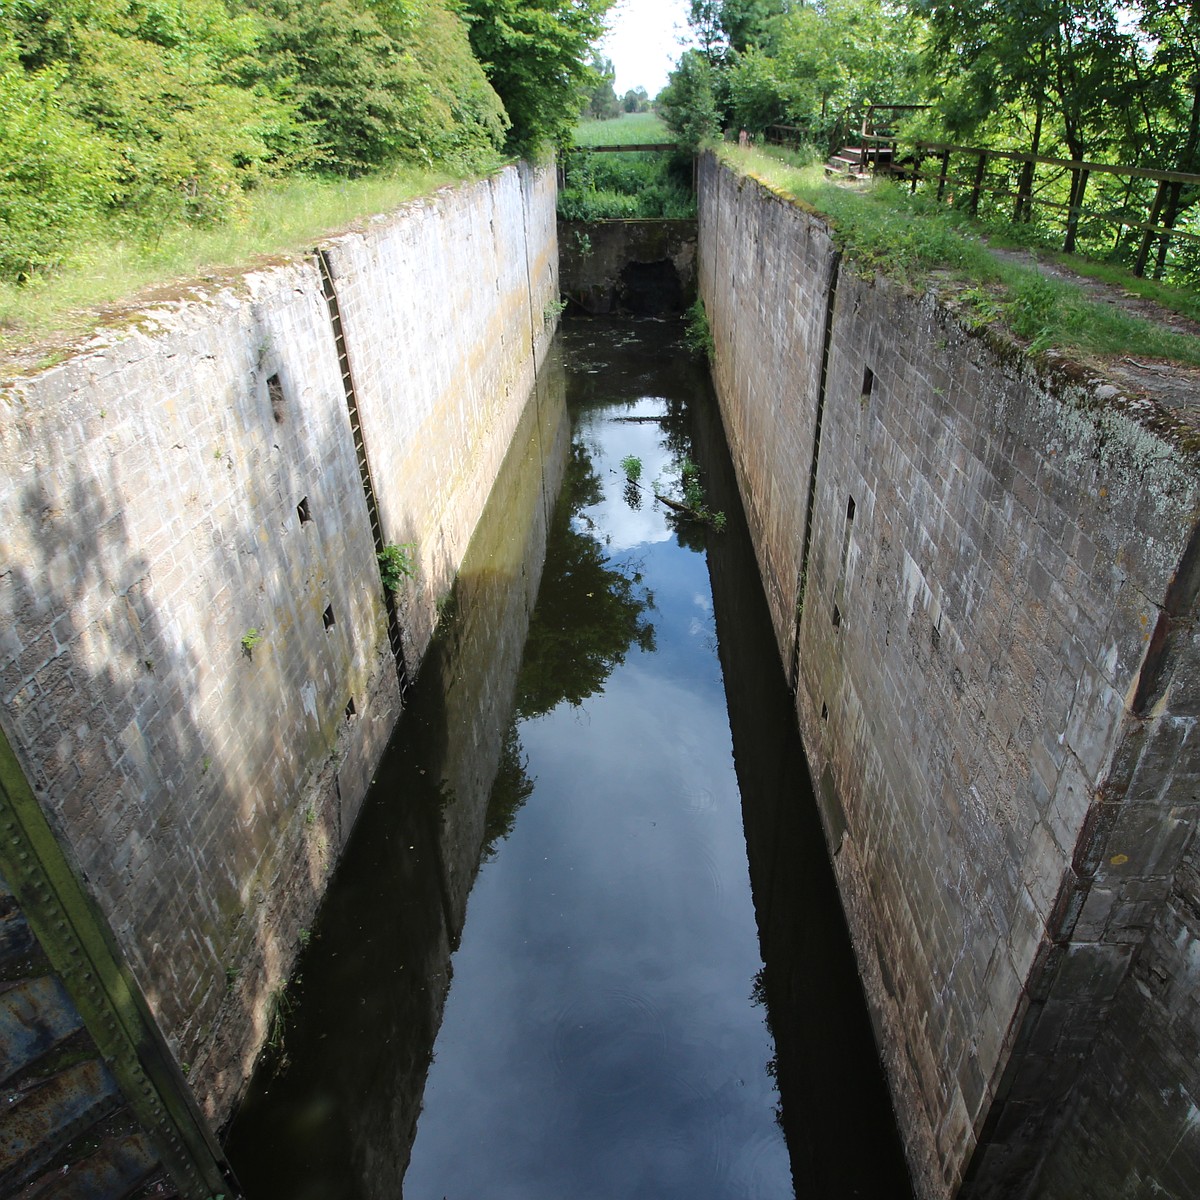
(653, 988)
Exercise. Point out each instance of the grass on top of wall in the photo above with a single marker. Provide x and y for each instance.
(883, 229)
(284, 218)
(629, 129)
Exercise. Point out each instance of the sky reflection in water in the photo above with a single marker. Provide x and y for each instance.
(600, 1038)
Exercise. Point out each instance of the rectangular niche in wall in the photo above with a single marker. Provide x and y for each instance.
(275, 392)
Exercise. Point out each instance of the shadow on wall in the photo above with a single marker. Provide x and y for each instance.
(333, 1105)
(111, 706)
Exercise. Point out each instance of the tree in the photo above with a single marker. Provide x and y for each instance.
(825, 62)
(164, 86)
(688, 103)
(1039, 63)
(635, 100)
(602, 102)
(535, 53)
(381, 83)
(747, 23)
(55, 172)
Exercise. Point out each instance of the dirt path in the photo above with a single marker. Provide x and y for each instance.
(1173, 386)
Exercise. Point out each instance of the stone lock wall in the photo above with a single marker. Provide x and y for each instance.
(983, 576)
(194, 659)
(645, 267)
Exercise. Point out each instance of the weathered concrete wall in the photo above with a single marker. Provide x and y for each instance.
(182, 514)
(416, 852)
(990, 625)
(446, 315)
(628, 266)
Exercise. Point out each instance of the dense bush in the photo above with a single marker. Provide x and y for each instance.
(376, 84)
(610, 186)
(55, 175)
(137, 115)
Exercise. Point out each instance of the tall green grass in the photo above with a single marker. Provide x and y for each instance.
(883, 229)
(283, 218)
(629, 129)
(622, 186)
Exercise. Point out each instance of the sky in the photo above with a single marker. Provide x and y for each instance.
(644, 42)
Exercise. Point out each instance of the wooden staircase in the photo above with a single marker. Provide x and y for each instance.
(876, 148)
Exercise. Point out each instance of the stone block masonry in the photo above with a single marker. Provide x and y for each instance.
(194, 660)
(983, 575)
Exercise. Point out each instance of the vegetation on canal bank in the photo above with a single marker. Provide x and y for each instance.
(144, 141)
(1113, 82)
(616, 186)
(883, 229)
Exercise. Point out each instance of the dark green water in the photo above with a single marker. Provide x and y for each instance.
(622, 757)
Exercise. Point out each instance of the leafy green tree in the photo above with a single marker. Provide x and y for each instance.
(834, 59)
(55, 172)
(381, 83)
(811, 65)
(164, 88)
(1169, 117)
(603, 103)
(688, 103)
(1092, 80)
(187, 139)
(635, 100)
(704, 16)
(536, 53)
(1036, 59)
(747, 23)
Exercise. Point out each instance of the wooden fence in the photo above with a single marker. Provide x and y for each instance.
(963, 171)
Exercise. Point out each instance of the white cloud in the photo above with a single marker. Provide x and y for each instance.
(644, 42)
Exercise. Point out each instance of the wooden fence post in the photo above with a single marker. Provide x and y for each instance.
(942, 174)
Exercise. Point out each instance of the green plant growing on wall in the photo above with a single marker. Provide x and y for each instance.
(279, 1009)
(553, 310)
(396, 564)
(698, 333)
(250, 639)
(583, 244)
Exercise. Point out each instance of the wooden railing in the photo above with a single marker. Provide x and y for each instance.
(962, 171)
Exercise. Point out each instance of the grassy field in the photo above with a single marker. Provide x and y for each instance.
(285, 218)
(629, 129)
(883, 229)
